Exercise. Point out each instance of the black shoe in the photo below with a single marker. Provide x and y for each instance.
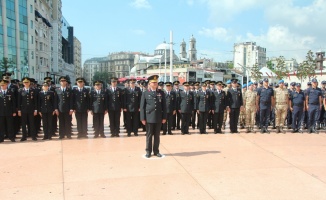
(112, 135)
(103, 136)
(158, 155)
(136, 134)
(23, 139)
(50, 138)
(148, 155)
(12, 140)
(117, 135)
(34, 139)
(61, 137)
(129, 134)
(170, 133)
(69, 137)
(163, 133)
(293, 131)
(95, 136)
(44, 139)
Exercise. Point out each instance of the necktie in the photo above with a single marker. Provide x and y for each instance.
(168, 93)
(98, 92)
(4, 92)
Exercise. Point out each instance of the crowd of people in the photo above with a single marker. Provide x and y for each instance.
(27, 106)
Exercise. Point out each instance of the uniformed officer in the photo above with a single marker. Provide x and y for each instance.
(218, 106)
(265, 103)
(210, 117)
(171, 107)
(322, 118)
(195, 117)
(281, 98)
(203, 105)
(225, 89)
(64, 99)
(289, 114)
(37, 118)
(242, 120)
(249, 102)
(7, 112)
(153, 114)
(98, 106)
(115, 105)
(81, 107)
(131, 107)
(177, 117)
(54, 117)
(314, 104)
(235, 104)
(126, 84)
(46, 108)
(27, 108)
(185, 108)
(297, 106)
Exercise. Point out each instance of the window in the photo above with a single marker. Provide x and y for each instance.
(32, 25)
(32, 39)
(31, 9)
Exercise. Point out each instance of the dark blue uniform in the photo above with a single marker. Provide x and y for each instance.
(265, 104)
(98, 107)
(186, 107)
(218, 105)
(81, 107)
(234, 101)
(65, 106)
(171, 106)
(297, 103)
(46, 106)
(177, 117)
(115, 104)
(313, 101)
(203, 104)
(131, 98)
(7, 109)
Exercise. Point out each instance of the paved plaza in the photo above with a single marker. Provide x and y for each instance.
(222, 166)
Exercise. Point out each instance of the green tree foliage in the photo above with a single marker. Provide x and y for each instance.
(270, 65)
(307, 68)
(280, 68)
(5, 63)
(255, 73)
(103, 76)
(230, 65)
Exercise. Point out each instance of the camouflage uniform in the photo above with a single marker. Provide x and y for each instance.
(250, 109)
(281, 96)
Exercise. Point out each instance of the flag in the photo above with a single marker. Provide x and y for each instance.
(267, 74)
(289, 75)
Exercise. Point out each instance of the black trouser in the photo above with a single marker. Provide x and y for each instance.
(132, 120)
(37, 121)
(185, 122)
(125, 119)
(202, 121)
(64, 124)
(176, 120)
(193, 119)
(81, 118)
(17, 124)
(218, 121)
(98, 123)
(234, 118)
(47, 125)
(289, 118)
(153, 129)
(210, 120)
(28, 119)
(114, 117)
(6, 126)
(167, 126)
(54, 123)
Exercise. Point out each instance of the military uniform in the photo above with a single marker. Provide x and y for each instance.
(115, 104)
(225, 111)
(204, 106)
(242, 116)
(281, 96)
(195, 116)
(171, 106)
(132, 105)
(81, 107)
(7, 110)
(153, 111)
(27, 107)
(250, 107)
(98, 107)
(177, 116)
(313, 101)
(265, 105)
(185, 107)
(17, 119)
(218, 105)
(297, 103)
(46, 106)
(235, 102)
(64, 100)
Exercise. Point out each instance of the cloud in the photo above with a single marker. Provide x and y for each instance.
(190, 2)
(138, 32)
(217, 33)
(139, 4)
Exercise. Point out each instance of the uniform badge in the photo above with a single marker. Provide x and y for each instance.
(9, 97)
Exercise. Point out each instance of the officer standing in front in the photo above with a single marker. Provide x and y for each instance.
(203, 106)
(185, 108)
(27, 109)
(195, 117)
(297, 106)
(177, 117)
(153, 114)
(249, 102)
(235, 104)
(98, 107)
(218, 107)
(281, 98)
(115, 105)
(7, 112)
(81, 107)
(171, 107)
(314, 104)
(46, 108)
(64, 108)
(131, 106)
(265, 103)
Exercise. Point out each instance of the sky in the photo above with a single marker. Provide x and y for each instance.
(286, 28)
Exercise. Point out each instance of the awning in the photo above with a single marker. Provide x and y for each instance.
(37, 14)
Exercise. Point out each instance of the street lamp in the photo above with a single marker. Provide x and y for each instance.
(247, 73)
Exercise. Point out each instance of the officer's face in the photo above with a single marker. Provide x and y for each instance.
(251, 87)
(114, 83)
(281, 85)
(153, 85)
(265, 84)
(132, 85)
(80, 84)
(186, 88)
(4, 86)
(45, 87)
(98, 86)
(176, 87)
(314, 84)
(63, 83)
(197, 87)
(168, 87)
(298, 88)
(219, 87)
(203, 88)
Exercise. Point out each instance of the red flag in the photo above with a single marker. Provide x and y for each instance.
(289, 75)
(294, 72)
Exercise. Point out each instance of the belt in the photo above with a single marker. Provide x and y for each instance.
(281, 103)
(265, 102)
(298, 104)
(313, 103)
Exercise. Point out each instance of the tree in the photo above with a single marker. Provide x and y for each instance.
(230, 65)
(280, 68)
(103, 76)
(307, 68)
(270, 65)
(255, 73)
(5, 63)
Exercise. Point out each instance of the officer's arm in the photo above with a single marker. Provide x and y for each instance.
(320, 101)
(307, 100)
(257, 101)
(143, 107)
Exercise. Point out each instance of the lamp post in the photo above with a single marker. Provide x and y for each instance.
(247, 73)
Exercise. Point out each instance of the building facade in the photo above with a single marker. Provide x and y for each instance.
(91, 66)
(248, 54)
(291, 65)
(77, 57)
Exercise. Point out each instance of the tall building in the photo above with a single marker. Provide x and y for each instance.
(91, 66)
(247, 54)
(290, 65)
(192, 49)
(77, 57)
(16, 31)
(183, 51)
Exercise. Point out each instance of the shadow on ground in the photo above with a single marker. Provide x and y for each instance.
(189, 154)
